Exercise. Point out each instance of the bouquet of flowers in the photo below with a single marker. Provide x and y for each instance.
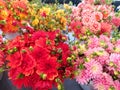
(49, 17)
(39, 60)
(96, 52)
(97, 60)
(91, 17)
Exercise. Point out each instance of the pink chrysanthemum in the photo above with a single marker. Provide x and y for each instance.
(104, 38)
(93, 42)
(94, 68)
(104, 82)
(117, 85)
(115, 58)
(98, 54)
(83, 77)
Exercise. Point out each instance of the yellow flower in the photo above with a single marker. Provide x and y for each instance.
(4, 14)
(66, 6)
(35, 22)
(63, 20)
(46, 10)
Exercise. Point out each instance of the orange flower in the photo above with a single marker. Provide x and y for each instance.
(10, 26)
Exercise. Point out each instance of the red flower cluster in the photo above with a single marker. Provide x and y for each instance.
(37, 60)
(2, 61)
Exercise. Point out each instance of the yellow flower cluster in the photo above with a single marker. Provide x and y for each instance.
(48, 17)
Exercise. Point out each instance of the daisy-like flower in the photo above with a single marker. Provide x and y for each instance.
(48, 67)
(83, 77)
(94, 68)
(93, 42)
(115, 58)
(104, 82)
(117, 84)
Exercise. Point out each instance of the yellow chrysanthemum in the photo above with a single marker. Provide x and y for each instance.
(35, 22)
(45, 10)
(4, 14)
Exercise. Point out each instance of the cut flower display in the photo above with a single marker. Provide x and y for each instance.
(38, 60)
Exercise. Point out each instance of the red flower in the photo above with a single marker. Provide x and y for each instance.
(39, 34)
(1, 58)
(64, 51)
(76, 27)
(48, 67)
(22, 82)
(14, 73)
(15, 60)
(28, 64)
(106, 28)
(40, 53)
(43, 85)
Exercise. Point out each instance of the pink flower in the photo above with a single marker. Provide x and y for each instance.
(83, 77)
(81, 5)
(93, 42)
(117, 85)
(115, 58)
(116, 21)
(98, 16)
(104, 38)
(75, 11)
(88, 7)
(98, 54)
(84, 29)
(89, 1)
(86, 13)
(106, 28)
(86, 20)
(95, 27)
(118, 42)
(94, 68)
(104, 82)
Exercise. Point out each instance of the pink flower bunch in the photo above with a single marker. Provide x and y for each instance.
(88, 17)
(99, 62)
